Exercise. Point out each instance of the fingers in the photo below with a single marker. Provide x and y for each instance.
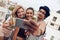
(31, 30)
(29, 26)
(34, 24)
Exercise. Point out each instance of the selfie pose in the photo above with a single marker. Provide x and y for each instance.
(37, 29)
(18, 12)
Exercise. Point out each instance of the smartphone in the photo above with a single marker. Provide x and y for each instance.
(20, 23)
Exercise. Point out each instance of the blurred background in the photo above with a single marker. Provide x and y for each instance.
(6, 7)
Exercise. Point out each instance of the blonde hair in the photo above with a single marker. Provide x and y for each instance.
(15, 10)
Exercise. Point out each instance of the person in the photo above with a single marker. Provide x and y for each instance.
(38, 28)
(29, 13)
(29, 16)
(19, 32)
(18, 12)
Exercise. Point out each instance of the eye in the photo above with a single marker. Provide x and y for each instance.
(27, 12)
(31, 13)
(18, 12)
(42, 12)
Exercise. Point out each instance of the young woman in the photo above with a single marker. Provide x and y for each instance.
(29, 13)
(18, 12)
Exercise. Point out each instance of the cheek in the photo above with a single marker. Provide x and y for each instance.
(18, 14)
(43, 16)
(27, 15)
(32, 15)
(21, 14)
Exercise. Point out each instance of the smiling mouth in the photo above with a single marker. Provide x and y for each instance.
(40, 17)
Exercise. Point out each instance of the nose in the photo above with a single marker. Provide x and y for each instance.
(21, 13)
(39, 14)
(29, 14)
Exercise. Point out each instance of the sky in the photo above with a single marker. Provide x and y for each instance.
(52, 4)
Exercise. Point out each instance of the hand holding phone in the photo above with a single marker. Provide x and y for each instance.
(30, 26)
(20, 23)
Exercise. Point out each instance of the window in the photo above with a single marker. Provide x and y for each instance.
(59, 28)
(52, 37)
(54, 18)
(58, 11)
(52, 24)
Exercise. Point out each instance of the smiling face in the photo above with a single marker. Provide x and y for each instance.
(41, 14)
(29, 14)
(20, 13)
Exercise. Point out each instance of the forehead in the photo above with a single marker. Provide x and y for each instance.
(42, 10)
(29, 10)
(20, 9)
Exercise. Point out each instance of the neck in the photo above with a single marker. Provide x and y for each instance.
(39, 20)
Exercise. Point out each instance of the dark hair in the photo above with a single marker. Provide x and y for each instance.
(28, 9)
(46, 9)
(31, 9)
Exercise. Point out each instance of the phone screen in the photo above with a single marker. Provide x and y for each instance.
(20, 23)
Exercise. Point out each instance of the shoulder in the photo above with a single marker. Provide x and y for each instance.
(43, 22)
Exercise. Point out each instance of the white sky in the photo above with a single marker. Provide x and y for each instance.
(52, 4)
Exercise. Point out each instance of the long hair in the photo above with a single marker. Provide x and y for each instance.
(14, 12)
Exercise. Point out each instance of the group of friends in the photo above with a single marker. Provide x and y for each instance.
(36, 26)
